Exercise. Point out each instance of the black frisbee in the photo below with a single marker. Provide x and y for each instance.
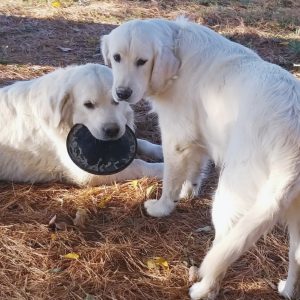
(100, 157)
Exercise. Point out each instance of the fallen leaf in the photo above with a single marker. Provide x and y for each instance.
(204, 229)
(89, 297)
(52, 221)
(71, 255)
(35, 68)
(156, 262)
(64, 49)
(56, 4)
(103, 201)
(84, 2)
(135, 184)
(151, 264)
(193, 274)
(53, 237)
(150, 190)
(55, 270)
(80, 218)
(57, 225)
(61, 225)
(61, 201)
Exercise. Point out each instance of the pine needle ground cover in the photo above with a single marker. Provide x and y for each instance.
(64, 242)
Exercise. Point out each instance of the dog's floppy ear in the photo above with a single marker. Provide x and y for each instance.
(52, 97)
(165, 67)
(104, 49)
(62, 109)
(54, 108)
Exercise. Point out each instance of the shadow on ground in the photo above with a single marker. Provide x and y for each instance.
(54, 42)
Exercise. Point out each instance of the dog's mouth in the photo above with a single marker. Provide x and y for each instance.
(106, 139)
(99, 135)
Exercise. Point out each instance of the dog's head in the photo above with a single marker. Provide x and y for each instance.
(142, 57)
(82, 95)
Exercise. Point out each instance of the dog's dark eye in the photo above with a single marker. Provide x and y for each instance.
(141, 62)
(89, 105)
(117, 57)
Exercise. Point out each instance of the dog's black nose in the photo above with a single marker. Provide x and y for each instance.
(111, 130)
(123, 93)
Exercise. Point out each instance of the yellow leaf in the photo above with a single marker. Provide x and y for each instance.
(135, 184)
(151, 264)
(162, 262)
(56, 4)
(150, 190)
(103, 201)
(53, 237)
(71, 255)
(156, 262)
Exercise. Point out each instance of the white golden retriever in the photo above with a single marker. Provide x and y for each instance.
(219, 99)
(36, 116)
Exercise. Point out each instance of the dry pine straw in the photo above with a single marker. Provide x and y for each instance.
(115, 245)
(119, 238)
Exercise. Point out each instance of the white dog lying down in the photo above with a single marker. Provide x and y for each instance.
(36, 116)
(215, 97)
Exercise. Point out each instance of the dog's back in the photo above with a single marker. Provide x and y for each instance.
(25, 153)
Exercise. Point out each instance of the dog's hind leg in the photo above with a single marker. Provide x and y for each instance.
(273, 199)
(229, 202)
(290, 288)
(225, 211)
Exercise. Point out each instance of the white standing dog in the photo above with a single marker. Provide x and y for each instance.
(219, 99)
(36, 116)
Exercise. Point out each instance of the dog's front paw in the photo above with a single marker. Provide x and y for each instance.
(285, 290)
(159, 208)
(203, 290)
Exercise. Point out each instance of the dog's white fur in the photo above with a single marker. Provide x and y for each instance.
(219, 99)
(36, 116)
